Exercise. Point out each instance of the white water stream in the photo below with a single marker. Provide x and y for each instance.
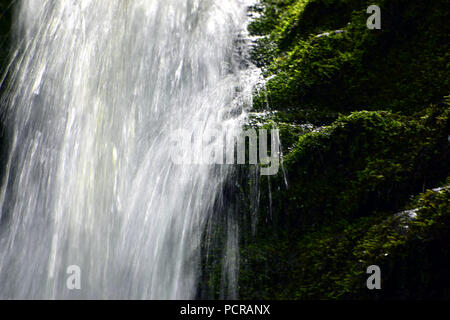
(96, 88)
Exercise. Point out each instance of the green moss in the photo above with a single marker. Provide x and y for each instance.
(346, 181)
(331, 263)
(402, 67)
(363, 162)
(378, 100)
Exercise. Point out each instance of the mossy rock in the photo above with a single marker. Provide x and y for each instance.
(363, 162)
(411, 247)
(346, 182)
(401, 67)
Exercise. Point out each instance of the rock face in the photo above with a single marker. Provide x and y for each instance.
(378, 97)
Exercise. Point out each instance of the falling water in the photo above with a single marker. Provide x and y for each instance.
(96, 88)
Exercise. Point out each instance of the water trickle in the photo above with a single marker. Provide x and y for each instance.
(96, 88)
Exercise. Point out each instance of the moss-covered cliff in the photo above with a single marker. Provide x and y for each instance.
(379, 140)
(323, 56)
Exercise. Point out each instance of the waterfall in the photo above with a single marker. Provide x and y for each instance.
(95, 89)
